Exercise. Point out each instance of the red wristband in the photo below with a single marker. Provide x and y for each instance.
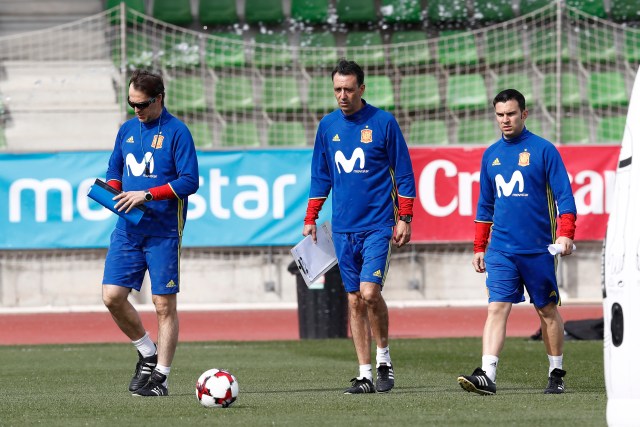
(114, 183)
(567, 225)
(163, 192)
(483, 229)
(313, 209)
(405, 205)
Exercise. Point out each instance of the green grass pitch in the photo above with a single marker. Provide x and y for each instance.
(300, 383)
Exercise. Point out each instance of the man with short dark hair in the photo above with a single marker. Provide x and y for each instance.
(524, 192)
(361, 157)
(153, 163)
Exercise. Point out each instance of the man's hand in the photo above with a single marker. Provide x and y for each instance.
(478, 262)
(402, 234)
(129, 200)
(567, 245)
(310, 229)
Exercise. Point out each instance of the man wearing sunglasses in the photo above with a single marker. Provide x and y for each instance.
(153, 163)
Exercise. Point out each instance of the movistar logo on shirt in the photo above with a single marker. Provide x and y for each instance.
(137, 169)
(336, 138)
(507, 188)
(348, 165)
(130, 139)
(496, 162)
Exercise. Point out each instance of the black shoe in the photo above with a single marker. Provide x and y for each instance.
(144, 367)
(478, 382)
(154, 387)
(360, 385)
(385, 380)
(556, 383)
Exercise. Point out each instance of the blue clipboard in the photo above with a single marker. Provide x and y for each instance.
(103, 193)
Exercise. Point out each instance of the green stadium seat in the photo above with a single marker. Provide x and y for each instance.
(280, 95)
(611, 129)
(477, 131)
(625, 10)
(365, 47)
(597, 45)
(201, 133)
(544, 46)
(181, 50)
(519, 81)
(139, 52)
(466, 91)
(137, 5)
(225, 50)
(419, 92)
(320, 98)
(242, 134)
(457, 48)
(401, 11)
(631, 49)
(217, 12)
(447, 12)
(272, 50)
(263, 11)
(356, 11)
(177, 12)
(570, 90)
(186, 95)
(432, 132)
(409, 48)
(317, 50)
(379, 92)
(289, 134)
(607, 89)
(504, 46)
(310, 11)
(493, 10)
(590, 7)
(574, 130)
(528, 6)
(234, 94)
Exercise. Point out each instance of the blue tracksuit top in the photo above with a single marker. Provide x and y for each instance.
(172, 160)
(364, 159)
(524, 185)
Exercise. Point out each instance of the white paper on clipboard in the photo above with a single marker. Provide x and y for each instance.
(315, 259)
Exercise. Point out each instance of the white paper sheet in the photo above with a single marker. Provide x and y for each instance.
(315, 259)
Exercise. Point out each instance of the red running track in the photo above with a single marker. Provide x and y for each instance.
(266, 325)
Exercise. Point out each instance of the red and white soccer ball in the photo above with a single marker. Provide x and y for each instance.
(216, 388)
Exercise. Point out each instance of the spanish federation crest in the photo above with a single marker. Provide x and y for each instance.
(366, 136)
(157, 141)
(523, 158)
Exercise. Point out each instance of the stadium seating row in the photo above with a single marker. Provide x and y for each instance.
(418, 92)
(420, 132)
(438, 12)
(407, 48)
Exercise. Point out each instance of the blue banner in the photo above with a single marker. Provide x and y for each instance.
(246, 198)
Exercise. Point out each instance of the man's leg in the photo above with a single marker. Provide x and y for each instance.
(552, 327)
(168, 327)
(361, 336)
(125, 315)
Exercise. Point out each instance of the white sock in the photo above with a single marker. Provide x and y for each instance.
(490, 366)
(554, 362)
(383, 356)
(145, 345)
(365, 372)
(164, 370)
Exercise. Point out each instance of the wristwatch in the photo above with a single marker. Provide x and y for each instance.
(148, 196)
(406, 218)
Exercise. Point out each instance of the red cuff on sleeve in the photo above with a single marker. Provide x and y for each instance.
(163, 192)
(313, 209)
(567, 225)
(483, 229)
(405, 205)
(114, 183)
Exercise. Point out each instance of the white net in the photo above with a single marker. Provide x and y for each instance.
(264, 85)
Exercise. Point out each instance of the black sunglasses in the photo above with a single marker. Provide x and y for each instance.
(141, 105)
